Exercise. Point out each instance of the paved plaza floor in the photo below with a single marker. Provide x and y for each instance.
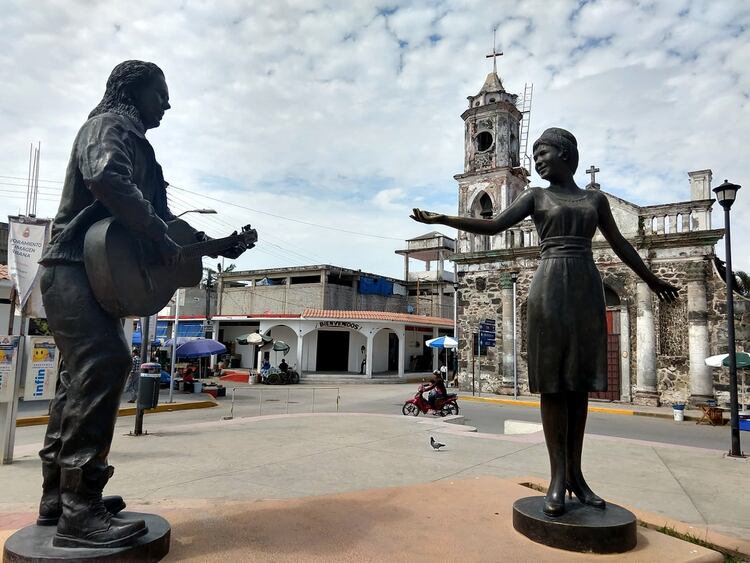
(200, 465)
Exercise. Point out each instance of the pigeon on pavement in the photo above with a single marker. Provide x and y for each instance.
(435, 444)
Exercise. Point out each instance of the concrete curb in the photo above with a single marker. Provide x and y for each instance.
(128, 411)
(592, 408)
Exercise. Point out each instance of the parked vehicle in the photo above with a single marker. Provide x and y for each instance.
(443, 405)
(275, 376)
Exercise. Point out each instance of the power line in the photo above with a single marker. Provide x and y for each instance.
(26, 179)
(289, 218)
(263, 240)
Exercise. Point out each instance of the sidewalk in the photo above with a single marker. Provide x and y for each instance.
(32, 413)
(625, 409)
(193, 468)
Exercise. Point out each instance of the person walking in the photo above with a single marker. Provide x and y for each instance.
(131, 386)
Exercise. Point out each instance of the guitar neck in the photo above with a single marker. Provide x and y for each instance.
(209, 247)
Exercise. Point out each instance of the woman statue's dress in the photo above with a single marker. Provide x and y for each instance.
(567, 329)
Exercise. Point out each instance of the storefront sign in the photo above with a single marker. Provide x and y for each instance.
(341, 324)
(41, 368)
(8, 353)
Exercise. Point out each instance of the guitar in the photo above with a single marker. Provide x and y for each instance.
(127, 274)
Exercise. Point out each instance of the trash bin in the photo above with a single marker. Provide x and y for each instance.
(197, 386)
(148, 386)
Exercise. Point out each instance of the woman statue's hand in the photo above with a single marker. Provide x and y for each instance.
(666, 291)
(425, 216)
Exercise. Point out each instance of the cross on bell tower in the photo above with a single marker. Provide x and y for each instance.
(593, 185)
(495, 53)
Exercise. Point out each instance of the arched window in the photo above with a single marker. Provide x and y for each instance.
(482, 207)
(610, 297)
(485, 205)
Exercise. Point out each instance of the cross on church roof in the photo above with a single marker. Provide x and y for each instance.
(593, 170)
(495, 53)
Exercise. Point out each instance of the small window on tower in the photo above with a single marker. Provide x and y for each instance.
(492, 100)
(476, 104)
(483, 141)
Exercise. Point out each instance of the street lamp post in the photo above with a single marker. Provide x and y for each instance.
(514, 279)
(455, 325)
(725, 195)
(201, 211)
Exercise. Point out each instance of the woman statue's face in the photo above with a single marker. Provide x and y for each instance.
(550, 164)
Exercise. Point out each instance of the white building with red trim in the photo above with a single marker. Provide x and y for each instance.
(355, 343)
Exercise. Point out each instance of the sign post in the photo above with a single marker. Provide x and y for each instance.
(9, 391)
(27, 238)
(486, 340)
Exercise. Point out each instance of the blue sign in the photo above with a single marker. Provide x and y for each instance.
(487, 333)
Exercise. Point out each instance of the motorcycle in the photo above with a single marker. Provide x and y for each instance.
(274, 376)
(443, 405)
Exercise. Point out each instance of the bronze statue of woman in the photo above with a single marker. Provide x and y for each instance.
(567, 331)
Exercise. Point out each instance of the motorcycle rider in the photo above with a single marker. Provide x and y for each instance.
(436, 388)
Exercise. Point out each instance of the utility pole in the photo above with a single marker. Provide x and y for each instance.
(208, 330)
(175, 332)
(145, 342)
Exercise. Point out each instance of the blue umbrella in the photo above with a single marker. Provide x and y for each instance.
(200, 348)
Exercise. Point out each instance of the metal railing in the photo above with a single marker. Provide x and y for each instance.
(288, 397)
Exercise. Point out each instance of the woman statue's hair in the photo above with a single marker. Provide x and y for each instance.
(562, 140)
(125, 79)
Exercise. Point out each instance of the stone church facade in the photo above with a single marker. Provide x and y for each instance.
(656, 351)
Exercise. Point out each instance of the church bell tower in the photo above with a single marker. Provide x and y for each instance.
(493, 176)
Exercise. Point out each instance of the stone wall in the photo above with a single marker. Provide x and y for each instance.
(717, 300)
(481, 289)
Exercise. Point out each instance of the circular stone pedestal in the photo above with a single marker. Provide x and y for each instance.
(582, 528)
(34, 543)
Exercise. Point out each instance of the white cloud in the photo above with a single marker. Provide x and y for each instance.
(315, 111)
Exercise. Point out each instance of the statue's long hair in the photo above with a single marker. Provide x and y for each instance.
(125, 79)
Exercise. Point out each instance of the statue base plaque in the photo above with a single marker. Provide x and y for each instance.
(582, 528)
(34, 544)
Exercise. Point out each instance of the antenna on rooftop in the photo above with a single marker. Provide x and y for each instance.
(32, 185)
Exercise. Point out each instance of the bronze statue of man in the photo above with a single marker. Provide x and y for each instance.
(112, 172)
(567, 331)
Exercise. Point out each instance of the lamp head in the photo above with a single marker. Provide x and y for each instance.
(726, 193)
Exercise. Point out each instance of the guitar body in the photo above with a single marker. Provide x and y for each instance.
(126, 273)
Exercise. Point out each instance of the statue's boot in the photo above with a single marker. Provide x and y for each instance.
(50, 507)
(85, 521)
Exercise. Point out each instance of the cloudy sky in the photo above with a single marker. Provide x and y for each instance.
(322, 123)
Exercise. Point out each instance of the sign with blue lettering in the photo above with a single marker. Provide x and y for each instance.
(42, 357)
(487, 333)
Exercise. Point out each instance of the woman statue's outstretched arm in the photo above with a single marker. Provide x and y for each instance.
(628, 254)
(522, 207)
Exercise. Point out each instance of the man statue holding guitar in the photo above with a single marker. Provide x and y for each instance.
(116, 251)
